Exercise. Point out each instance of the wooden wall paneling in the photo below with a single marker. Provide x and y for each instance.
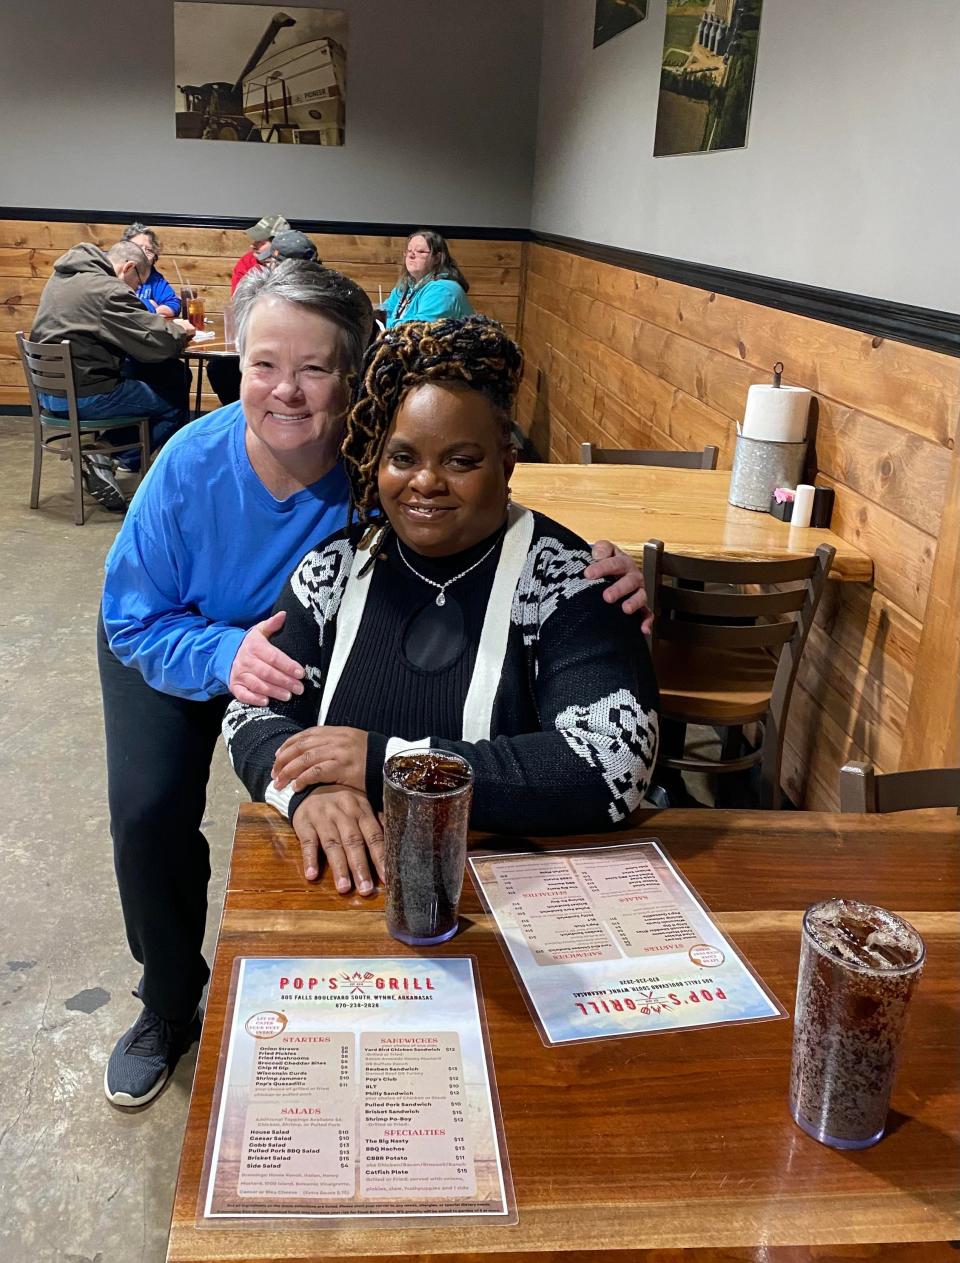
(902, 554)
(884, 463)
(818, 747)
(205, 257)
(932, 733)
(873, 632)
(909, 386)
(855, 698)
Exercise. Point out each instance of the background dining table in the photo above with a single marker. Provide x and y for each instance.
(672, 1147)
(686, 508)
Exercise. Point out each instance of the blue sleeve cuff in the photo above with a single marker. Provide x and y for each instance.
(222, 660)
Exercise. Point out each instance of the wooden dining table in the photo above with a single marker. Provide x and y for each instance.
(686, 508)
(672, 1147)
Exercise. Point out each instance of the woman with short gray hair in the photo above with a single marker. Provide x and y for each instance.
(226, 511)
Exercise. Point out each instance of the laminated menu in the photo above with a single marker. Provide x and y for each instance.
(356, 1088)
(611, 940)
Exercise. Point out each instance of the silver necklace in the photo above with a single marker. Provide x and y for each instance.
(441, 597)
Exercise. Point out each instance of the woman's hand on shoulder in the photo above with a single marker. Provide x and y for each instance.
(322, 755)
(610, 563)
(261, 671)
(342, 823)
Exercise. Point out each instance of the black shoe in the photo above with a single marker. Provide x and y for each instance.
(145, 1057)
(97, 473)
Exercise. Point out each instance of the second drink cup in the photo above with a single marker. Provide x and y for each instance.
(426, 801)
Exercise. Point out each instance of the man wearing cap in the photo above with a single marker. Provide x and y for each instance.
(261, 234)
(287, 245)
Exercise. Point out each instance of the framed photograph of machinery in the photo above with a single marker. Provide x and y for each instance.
(706, 75)
(613, 16)
(258, 73)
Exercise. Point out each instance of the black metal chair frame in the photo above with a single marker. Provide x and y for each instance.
(863, 789)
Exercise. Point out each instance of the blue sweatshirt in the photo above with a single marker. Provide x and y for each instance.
(156, 291)
(439, 299)
(203, 554)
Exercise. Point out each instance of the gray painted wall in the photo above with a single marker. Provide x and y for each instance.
(851, 177)
(441, 117)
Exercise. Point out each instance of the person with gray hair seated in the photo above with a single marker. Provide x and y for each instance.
(91, 302)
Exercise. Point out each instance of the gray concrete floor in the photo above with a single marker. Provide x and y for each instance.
(80, 1182)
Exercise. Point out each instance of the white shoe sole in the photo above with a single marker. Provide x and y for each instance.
(125, 1101)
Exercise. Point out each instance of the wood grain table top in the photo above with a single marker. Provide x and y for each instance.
(686, 508)
(670, 1147)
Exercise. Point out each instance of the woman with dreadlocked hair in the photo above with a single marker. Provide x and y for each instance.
(431, 286)
(448, 615)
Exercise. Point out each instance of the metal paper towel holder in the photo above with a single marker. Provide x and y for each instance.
(761, 465)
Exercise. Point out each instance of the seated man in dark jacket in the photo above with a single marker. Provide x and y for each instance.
(91, 301)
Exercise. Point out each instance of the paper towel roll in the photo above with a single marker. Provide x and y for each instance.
(777, 413)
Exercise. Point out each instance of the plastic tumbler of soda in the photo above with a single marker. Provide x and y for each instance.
(859, 967)
(426, 800)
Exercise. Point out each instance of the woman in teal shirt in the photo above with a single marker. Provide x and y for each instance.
(431, 286)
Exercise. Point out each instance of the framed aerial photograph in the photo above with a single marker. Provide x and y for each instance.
(613, 16)
(706, 75)
(254, 73)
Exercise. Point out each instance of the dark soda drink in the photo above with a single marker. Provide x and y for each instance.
(859, 966)
(426, 800)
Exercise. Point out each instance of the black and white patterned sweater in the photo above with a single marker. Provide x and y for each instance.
(559, 718)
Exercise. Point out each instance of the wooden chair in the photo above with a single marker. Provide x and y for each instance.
(718, 665)
(707, 459)
(48, 367)
(861, 789)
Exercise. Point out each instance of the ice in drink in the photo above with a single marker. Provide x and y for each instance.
(859, 966)
(426, 800)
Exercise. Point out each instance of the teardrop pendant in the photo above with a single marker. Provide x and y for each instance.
(441, 599)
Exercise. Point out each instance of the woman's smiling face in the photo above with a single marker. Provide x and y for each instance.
(293, 387)
(443, 475)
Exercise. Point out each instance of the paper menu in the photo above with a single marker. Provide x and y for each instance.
(611, 941)
(356, 1089)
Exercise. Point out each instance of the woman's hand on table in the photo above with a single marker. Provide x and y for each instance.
(261, 671)
(609, 563)
(342, 823)
(322, 754)
(184, 326)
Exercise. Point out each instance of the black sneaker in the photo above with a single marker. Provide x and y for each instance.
(97, 473)
(145, 1057)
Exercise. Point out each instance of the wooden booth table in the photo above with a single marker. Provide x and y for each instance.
(686, 508)
(674, 1147)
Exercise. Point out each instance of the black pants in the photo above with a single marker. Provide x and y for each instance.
(159, 750)
(224, 378)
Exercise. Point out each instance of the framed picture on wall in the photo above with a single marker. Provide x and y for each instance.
(613, 16)
(246, 72)
(706, 75)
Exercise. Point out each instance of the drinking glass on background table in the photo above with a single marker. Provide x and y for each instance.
(192, 306)
(426, 800)
(229, 325)
(859, 966)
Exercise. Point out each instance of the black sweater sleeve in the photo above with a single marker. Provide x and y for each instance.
(591, 763)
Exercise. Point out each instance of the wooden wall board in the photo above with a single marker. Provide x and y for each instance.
(872, 632)
(932, 736)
